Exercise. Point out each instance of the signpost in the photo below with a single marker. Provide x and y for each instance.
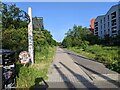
(30, 36)
(24, 57)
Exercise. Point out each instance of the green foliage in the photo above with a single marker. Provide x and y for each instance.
(43, 38)
(13, 17)
(103, 54)
(15, 39)
(92, 39)
(100, 53)
(67, 42)
(84, 44)
(15, 32)
(75, 36)
(28, 74)
(14, 28)
(79, 40)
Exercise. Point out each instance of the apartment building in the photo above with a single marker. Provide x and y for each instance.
(108, 24)
(92, 25)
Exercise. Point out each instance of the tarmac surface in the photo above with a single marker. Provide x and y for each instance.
(72, 71)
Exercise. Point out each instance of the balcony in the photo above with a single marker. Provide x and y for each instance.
(114, 29)
(96, 30)
(96, 24)
(113, 15)
(113, 23)
(96, 34)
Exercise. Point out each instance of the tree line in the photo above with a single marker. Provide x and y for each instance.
(81, 36)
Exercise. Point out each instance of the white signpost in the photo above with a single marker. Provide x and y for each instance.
(30, 36)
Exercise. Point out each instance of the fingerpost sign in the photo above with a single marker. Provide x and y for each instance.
(30, 37)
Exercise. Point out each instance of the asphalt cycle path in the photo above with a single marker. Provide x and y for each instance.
(71, 71)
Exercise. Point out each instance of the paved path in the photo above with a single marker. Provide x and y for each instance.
(73, 72)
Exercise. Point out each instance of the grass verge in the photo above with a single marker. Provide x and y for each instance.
(108, 55)
(28, 74)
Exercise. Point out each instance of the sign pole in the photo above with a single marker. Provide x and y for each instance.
(30, 36)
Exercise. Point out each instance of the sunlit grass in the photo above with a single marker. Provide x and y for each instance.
(28, 74)
(109, 55)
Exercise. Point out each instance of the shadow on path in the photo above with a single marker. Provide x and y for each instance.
(75, 54)
(39, 86)
(67, 82)
(101, 75)
(87, 83)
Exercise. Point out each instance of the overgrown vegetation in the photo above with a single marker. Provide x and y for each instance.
(75, 36)
(104, 54)
(105, 50)
(28, 74)
(15, 37)
(15, 31)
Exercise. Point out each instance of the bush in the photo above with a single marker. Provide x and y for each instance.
(84, 44)
(15, 39)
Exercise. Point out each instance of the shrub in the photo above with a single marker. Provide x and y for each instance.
(15, 39)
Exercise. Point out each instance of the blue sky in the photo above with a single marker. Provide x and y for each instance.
(59, 17)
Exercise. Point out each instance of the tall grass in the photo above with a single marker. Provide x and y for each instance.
(28, 74)
(109, 55)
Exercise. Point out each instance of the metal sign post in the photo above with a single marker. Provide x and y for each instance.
(30, 36)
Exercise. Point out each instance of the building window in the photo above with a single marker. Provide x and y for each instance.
(113, 22)
(105, 31)
(114, 29)
(108, 24)
(96, 33)
(113, 15)
(96, 23)
(108, 17)
(108, 31)
(101, 21)
(104, 19)
(119, 12)
(104, 25)
(96, 29)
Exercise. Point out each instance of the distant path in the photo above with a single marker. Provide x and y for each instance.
(71, 71)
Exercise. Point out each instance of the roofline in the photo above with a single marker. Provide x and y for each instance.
(100, 16)
(113, 6)
(109, 10)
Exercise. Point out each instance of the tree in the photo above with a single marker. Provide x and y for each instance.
(13, 17)
(75, 36)
(67, 42)
(92, 39)
(15, 39)
(15, 32)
